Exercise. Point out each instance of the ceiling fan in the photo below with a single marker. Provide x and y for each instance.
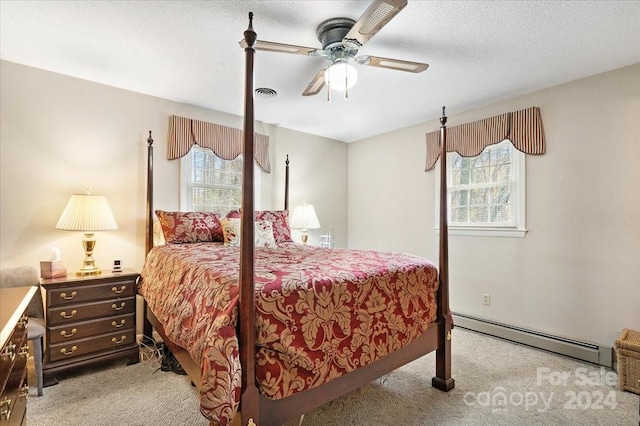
(341, 38)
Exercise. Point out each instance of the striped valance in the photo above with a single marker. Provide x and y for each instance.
(523, 128)
(225, 142)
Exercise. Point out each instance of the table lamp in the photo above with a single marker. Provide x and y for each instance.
(87, 213)
(304, 217)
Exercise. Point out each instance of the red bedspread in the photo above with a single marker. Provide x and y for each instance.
(321, 313)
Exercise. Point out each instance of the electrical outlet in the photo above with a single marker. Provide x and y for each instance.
(486, 299)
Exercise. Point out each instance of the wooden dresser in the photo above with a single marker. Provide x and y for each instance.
(14, 354)
(89, 319)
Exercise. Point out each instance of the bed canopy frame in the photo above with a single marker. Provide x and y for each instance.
(254, 407)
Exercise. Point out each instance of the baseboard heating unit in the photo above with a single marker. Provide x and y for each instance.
(589, 352)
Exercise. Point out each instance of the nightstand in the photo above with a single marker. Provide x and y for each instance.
(89, 319)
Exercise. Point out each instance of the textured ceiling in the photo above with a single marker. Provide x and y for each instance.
(479, 52)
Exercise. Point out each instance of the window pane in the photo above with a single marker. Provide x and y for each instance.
(459, 215)
(465, 175)
(500, 214)
(481, 175)
(478, 214)
(460, 198)
(500, 194)
(479, 196)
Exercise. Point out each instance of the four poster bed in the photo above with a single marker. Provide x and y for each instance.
(274, 329)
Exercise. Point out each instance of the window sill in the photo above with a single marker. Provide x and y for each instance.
(485, 232)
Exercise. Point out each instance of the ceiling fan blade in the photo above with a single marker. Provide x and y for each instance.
(393, 64)
(377, 15)
(280, 47)
(316, 84)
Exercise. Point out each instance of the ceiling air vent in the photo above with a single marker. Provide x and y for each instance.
(265, 92)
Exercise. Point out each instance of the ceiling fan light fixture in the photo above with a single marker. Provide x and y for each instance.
(341, 75)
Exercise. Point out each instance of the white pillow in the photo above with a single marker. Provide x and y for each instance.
(158, 236)
(263, 233)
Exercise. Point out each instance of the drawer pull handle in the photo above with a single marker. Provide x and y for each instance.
(5, 409)
(117, 342)
(63, 314)
(23, 322)
(116, 325)
(63, 351)
(9, 351)
(24, 351)
(65, 297)
(115, 307)
(64, 334)
(24, 391)
(116, 291)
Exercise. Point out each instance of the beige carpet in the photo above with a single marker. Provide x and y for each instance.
(497, 383)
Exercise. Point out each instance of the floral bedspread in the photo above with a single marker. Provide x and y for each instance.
(320, 313)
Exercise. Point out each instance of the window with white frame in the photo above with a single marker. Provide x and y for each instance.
(210, 183)
(486, 193)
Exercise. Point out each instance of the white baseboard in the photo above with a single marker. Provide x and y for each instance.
(585, 351)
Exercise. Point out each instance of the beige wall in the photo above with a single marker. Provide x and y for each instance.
(318, 176)
(60, 135)
(577, 271)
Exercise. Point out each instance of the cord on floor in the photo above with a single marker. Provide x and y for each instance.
(150, 354)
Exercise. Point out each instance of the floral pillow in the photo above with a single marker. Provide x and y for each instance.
(279, 221)
(263, 233)
(190, 227)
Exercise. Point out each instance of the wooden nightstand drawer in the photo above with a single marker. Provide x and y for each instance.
(73, 313)
(66, 333)
(12, 355)
(10, 352)
(13, 365)
(82, 293)
(93, 344)
(17, 408)
(18, 373)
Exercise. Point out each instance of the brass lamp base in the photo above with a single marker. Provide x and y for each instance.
(88, 271)
(88, 266)
(304, 236)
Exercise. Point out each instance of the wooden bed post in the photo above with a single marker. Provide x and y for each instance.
(286, 183)
(147, 328)
(149, 241)
(443, 380)
(247, 327)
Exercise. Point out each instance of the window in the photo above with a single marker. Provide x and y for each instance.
(210, 183)
(486, 193)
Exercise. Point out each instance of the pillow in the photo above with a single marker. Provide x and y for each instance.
(279, 221)
(263, 233)
(158, 234)
(231, 231)
(190, 227)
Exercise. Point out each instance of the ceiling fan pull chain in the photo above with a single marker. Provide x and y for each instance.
(346, 83)
(329, 88)
(346, 79)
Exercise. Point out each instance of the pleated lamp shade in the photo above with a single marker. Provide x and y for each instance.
(304, 217)
(87, 212)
